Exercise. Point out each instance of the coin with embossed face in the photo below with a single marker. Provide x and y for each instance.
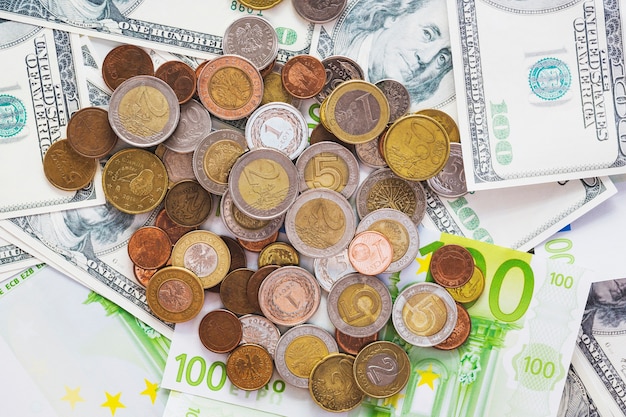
(450, 181)
(214, 157)
(175, 294)
(382, 369)
(249, 367)
(253, 38)
(332, 385)
(278, 126)
(188, 203)
(90, 133)
(66, 169)
(204, 253)
(194, 125)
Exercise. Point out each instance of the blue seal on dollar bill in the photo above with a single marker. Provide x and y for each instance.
(12, 116)
(550, 78)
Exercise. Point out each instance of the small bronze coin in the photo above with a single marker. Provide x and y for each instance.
(175, 294)
(204, 253)
(372, 359)
(234, 291)
(461, 330)
(451, 266)
(332, 384)
(254, 283)
(174, 230)
(220, 331)
(124, 62)
(237, 253)
(352, 345)
(303, 76)
(370, 252)
(66, 169)
(188, 204)
(149, 247)
(90, 133)
(143, 275)
(249, 367)
(180, 76)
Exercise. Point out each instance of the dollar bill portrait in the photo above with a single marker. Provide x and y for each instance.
(606, 307)
(405, 40)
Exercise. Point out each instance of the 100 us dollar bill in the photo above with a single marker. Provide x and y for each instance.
(540, 88)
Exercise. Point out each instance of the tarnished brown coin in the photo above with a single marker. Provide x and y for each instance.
(329, 270)
(289, 295)
(319, 12)
(233, 291)
(461, 331)
(204, 253)
(66, 169)
(321, 134)
(253, 38)
(180, 76)
(178, 166)
(382, 369)
(471, 290)
(220, 331)
(450, 181)
(175, 294)
(278, 253)
(332, 385)
(370, 252)
(260, 331)
(254, 284)
(303, 76)
(90, 133)
(188, 203)
(338, 69)
(124, 62)
(134, 181)
(253, 234)
(353, 345)
(174, 230)
(451, 266)
(194, 124)
(143, 275)
(214, 157)
(237, 253)
(249, 367)
(446, 121)
(149, 247)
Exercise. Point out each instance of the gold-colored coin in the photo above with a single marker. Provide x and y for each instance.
(446, 121)
(278, 253)
(332, 385)
(249, 367)
(419, 323)
(219, 159)
(66, 169)
(397, 235)
(471, 290)
(382, 369)
(274, 90)
(248, 222)
(260, 4)
(416, 147)
(175, 294)
(301, 365)
(134, 181)
(333, 218)
(205, 254)
(359, 305)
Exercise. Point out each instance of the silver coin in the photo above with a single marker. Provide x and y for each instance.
(417, 307)
(338, 69)
(143, 111)
(214, 157)
(245, 227)
(194, 124)
(261, 331)
(320, 223)
(278, 126)
(251, 37)
(384, 189)
(316, 11)
(397, 96)
(359, 305)
(450, 181)
(329, 270)
(178, 166)
(401, 232)
(263, 183)
(369, 155)
(328, 165)
(299, 349)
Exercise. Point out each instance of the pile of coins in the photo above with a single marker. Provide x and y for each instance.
(272, 176)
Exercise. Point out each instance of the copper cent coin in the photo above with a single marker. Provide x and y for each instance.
(351, 344)
(175, 294)
(180, 76)
(220, 331)
(254, 284)
(451, 266)
(233, 291)
(303, 76)
(174, 230)
(66, 169)
(143, 275)
(461, 331)
(249, 367)
(149, 247)
(124, 62)
(370, 252)
(90, 133)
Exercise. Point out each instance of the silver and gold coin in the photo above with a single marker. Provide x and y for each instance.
(205, 254)
(245, 227)
(175, 294)
(382, 369)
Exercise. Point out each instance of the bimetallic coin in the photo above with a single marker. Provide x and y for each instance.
(175, 294)
(299, 349)
(370, 252)
(450, 181)
(180, 76)
(230, 87)
(303, 76)
(260, 331)
(149, 247)
(220, 331)
(188, 203)
(416, 147)
(174, 230)
(233, 291)
(289, 295)
(332, 385)
(249, 367)
(369, 155)
(471, 290)
(245, 227)
(278, 253)
(383, 189)
(359, 305)
(382, 369)
(278, 126)
(452, 266)
(446, 121)
(144, 111)
(399, 230)
(214, 157)
(353, 345)
(124, 62)
(194, 124)
(90, 133)
(328, 165)
(134, 181)
(461, 331)
(338, 69)
(424, 314)
(263, 183)
(319, 12)
(329, 270)
(355, 111)
(251, 37)
(66, 169)
(204, 253)
(397, 96)
(320, 223)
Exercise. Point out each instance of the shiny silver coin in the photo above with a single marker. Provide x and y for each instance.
(316, 11)
(178, 165)
(214, 157)
(384, 189)
(338, 69)
(320, 223)
(245, 227)
(194, 124)
(251, 37)
(263, 183)
(424, 314)
(397, 96)
(331, 269)
(401, 232)
(261, 331)
(278, 126)
(450, 181)
(359, 305)
(369, 154)
(328, 165)
(299, 349)
(143, 111)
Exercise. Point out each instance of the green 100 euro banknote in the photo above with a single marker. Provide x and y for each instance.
(514, 364)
